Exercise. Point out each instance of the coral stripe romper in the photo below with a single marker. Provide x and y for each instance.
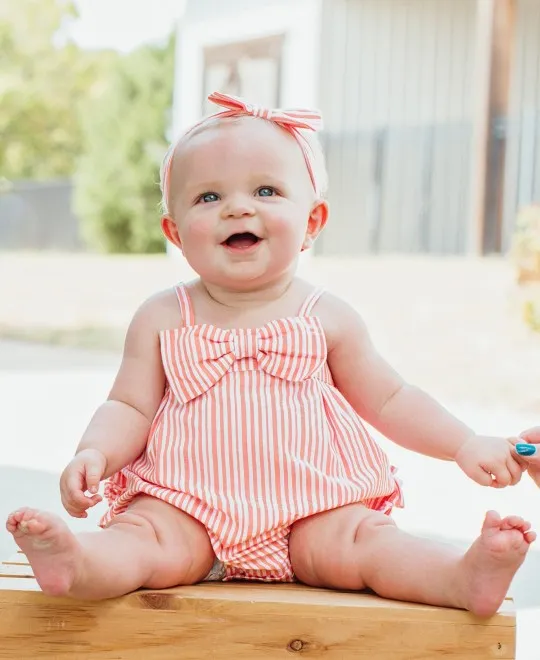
(251, 436)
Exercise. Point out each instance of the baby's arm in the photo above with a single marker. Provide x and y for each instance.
(404, 413)
(119, 428)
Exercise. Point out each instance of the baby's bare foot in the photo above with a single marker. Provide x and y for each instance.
(492, 561)
(52, 550)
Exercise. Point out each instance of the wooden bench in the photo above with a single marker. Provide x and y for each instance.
(235, 621)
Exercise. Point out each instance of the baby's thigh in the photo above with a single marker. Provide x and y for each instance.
(180, 539)
(325, 549)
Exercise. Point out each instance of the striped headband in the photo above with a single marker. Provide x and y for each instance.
(293, 121)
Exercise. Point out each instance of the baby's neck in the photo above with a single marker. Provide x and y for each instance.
(248, 298)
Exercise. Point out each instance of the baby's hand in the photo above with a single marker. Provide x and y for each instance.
(491, 461)
(83, 474)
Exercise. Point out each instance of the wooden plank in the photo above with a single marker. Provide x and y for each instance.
(242, 621)
(15, 570)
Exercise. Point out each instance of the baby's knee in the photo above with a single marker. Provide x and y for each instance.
(168, 558)
(370, 526)
(133, 523)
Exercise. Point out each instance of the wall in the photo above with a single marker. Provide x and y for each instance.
(397, 95)
(523, 126)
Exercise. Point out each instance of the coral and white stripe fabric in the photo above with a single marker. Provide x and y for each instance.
(251, 436)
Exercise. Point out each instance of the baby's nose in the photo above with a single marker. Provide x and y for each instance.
(239, 207)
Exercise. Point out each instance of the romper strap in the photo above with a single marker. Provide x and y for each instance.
(184, 302)
(310, 301)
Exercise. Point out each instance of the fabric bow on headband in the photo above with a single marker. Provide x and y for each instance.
(294, 121)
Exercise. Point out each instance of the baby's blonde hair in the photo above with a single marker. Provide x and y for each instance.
(311, 140)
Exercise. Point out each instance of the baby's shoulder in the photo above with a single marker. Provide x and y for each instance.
(338, 318)
(159, 312)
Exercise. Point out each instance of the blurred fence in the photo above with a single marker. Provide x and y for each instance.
(38, 216)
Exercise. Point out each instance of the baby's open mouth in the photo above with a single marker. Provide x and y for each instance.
(241, 241)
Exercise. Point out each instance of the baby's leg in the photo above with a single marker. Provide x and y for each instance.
(152, 545)
(355, 548)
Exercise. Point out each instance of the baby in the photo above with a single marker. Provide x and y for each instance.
(232, 439)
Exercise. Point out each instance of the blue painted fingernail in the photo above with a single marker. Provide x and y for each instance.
(524, 449)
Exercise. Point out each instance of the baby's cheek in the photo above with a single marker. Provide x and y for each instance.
(292, 226)
(200, 231)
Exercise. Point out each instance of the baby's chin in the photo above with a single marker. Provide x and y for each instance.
(250, 277)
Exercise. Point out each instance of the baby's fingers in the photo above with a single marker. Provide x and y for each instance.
(75, 512)
(501, 477)
(93, 500)
(93, 477)
(75, 495)
(77, 508)
(481, 476)
(516, 469)
(74, 499)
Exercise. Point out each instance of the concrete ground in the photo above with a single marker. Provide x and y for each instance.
(450, 326)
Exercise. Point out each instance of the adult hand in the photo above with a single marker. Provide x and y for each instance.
(529, 451)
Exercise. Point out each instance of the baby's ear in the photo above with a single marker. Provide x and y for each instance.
(318, 217)
(170, 230)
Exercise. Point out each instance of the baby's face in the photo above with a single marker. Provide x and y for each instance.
(243, 202)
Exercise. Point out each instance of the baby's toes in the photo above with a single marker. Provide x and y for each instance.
(16, 517)
(515, 522)
(11, 524)
(25, 521)
(517, 540)
(524, 526)
(33, 526)
(529, 536)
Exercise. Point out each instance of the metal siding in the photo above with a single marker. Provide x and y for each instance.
(396, 95)
(523, 126)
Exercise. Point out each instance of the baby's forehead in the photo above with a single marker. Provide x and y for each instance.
(238, 137)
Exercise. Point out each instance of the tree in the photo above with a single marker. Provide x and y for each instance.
(43, 81)
(117, 192)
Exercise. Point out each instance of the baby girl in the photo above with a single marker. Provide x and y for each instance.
(233, 438)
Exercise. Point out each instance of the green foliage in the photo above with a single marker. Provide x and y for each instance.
(100, 115)
(43, 80)
(525, 253)
(125, 127)
(526, 241)
(531, 314)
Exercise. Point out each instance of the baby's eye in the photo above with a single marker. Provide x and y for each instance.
(208, 197)
(266, 191)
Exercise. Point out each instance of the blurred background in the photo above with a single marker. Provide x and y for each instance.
(432, 138)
